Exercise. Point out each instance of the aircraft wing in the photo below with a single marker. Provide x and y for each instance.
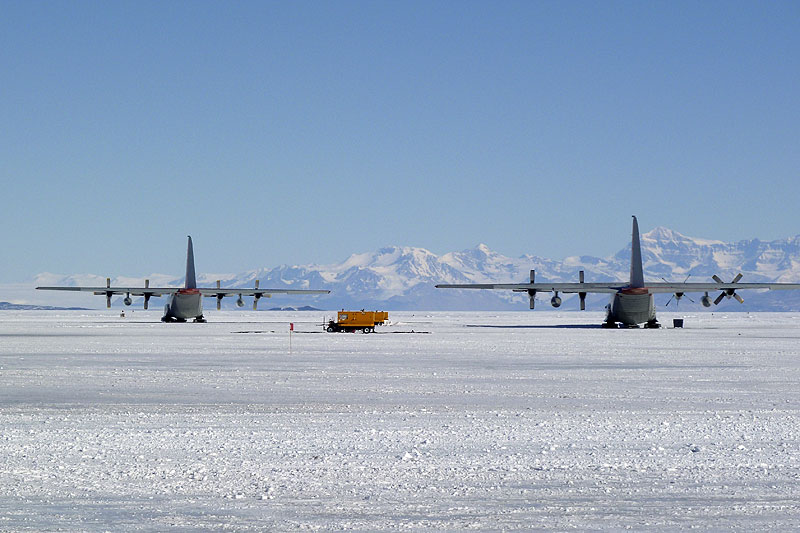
(707, 287)
(218, 293)
(613, 287)
(607, 288)
(253, 292)
(257, 293)
(159, 291)
(133, 291)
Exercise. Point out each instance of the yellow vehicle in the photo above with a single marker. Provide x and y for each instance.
(381, 317)
(357, 321)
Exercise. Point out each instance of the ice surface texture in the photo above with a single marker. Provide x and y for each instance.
(489, 421)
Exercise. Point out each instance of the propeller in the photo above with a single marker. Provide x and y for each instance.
(532, 292)
(256, 296)
(219, 297)
(727, 293)
(678, 295)
(147, 294)
(582, 295)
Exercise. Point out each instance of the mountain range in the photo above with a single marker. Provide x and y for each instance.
(403, 278)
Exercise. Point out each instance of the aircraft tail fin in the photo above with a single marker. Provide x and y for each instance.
(191, 281)
(637, 272)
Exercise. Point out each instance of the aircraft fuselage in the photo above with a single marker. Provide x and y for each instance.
(631, 307)
(183, 305)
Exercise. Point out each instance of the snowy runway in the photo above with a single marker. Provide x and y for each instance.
(474, 421)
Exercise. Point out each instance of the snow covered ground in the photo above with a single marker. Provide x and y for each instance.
(501, 421)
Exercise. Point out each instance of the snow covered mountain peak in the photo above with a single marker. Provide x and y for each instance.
(403, 277)
(662, 235)
(417, 259)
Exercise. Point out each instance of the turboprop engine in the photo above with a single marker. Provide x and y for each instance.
(555, 301)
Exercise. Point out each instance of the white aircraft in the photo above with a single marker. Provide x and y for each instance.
(184, 303)
(631, 302)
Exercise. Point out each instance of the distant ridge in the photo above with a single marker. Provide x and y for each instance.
(402, 277)
(7, 306)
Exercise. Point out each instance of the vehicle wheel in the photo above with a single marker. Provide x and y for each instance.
(330, 329)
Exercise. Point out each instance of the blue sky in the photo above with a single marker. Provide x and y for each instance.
(302, 132)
